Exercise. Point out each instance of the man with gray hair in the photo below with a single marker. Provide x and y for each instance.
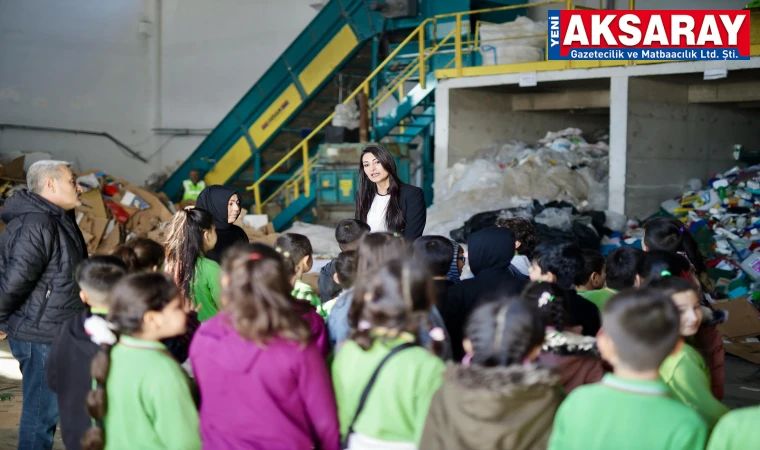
(39, 253)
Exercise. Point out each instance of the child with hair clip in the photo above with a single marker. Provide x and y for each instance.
(384, 380)
(656, 264)
(297, 252)
(141, 398)
(575, 357)
(191, 234)
(375, 250)
(685, 371)
(498, 398)
(262, 378)
(142, 254)
(671, 235)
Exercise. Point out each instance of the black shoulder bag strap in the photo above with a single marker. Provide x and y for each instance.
(368, 388)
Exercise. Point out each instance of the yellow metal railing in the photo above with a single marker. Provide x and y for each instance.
(300, 182)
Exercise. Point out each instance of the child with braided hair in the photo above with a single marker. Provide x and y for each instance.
(142, 397)
(574, 356)
(498, 398)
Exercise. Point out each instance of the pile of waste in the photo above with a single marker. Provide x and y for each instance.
(724, 218)
(114, 211)
(563, 166)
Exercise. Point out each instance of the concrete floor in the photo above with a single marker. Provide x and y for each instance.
(742, 389)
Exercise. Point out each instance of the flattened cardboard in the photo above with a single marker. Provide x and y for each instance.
(94, 200)
(99, 225)
(157, 208)
(14, 170)
(158, 236)
(268, 239)
(749, 351)
(743, 318)
(110, 242)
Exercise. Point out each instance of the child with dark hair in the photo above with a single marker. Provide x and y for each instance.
(392, 306)
(575, 357)
(490, 252)
(559, 262)
(142, 396)
(499, 398)
(685, 371)
(68, 368)
(345, 275)
(347, 233)
(620, 268)
(296, 250)
(375, 250)
(457, 264)
(671, 235)
(141, 254)
(592, 275)
(526, 239)
(434, 253)
(191, 234)
(632, 408)
(262, 377)
(657, 264)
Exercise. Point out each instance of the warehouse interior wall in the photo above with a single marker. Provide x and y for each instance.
(479, 117)
(128, 67)
(671, 139)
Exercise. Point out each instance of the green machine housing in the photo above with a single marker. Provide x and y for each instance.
(337, 177)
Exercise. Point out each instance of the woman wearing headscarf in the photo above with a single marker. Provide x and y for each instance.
(224, 205)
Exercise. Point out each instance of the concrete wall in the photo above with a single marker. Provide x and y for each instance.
(128, 66)
(479, 117)
(670, 141)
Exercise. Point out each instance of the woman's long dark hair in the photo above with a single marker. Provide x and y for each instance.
(185, 245)
(394, 219)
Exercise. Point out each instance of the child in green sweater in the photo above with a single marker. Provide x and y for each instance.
(191, 234)
(141, 395)
(631, 409)
(387, 316)
(297, 252)
(685, 371)
(737, 430)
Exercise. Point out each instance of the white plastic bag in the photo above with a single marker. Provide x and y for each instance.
(346, 115)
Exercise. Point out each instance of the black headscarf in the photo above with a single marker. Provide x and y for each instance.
(490, 252)
(214, 199)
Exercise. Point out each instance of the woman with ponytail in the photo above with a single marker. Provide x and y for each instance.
(575, 357)
(383, 378)
(261, 375)
(498, 398)
(141, 396)
(191, 234)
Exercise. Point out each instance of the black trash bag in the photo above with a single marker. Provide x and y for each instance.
(488, 219)
(581, 235)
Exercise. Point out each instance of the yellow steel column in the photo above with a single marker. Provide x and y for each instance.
(257, 198)
(422, 56)
(458, 45)
(306, 168)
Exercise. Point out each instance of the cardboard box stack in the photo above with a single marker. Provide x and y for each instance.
(114, 211)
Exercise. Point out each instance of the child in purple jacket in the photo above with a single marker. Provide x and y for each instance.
(263, 381)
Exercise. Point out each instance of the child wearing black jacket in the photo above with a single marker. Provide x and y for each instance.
(560, 263)
(68, 370)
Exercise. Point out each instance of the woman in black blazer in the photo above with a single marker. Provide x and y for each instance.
(383, 201)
